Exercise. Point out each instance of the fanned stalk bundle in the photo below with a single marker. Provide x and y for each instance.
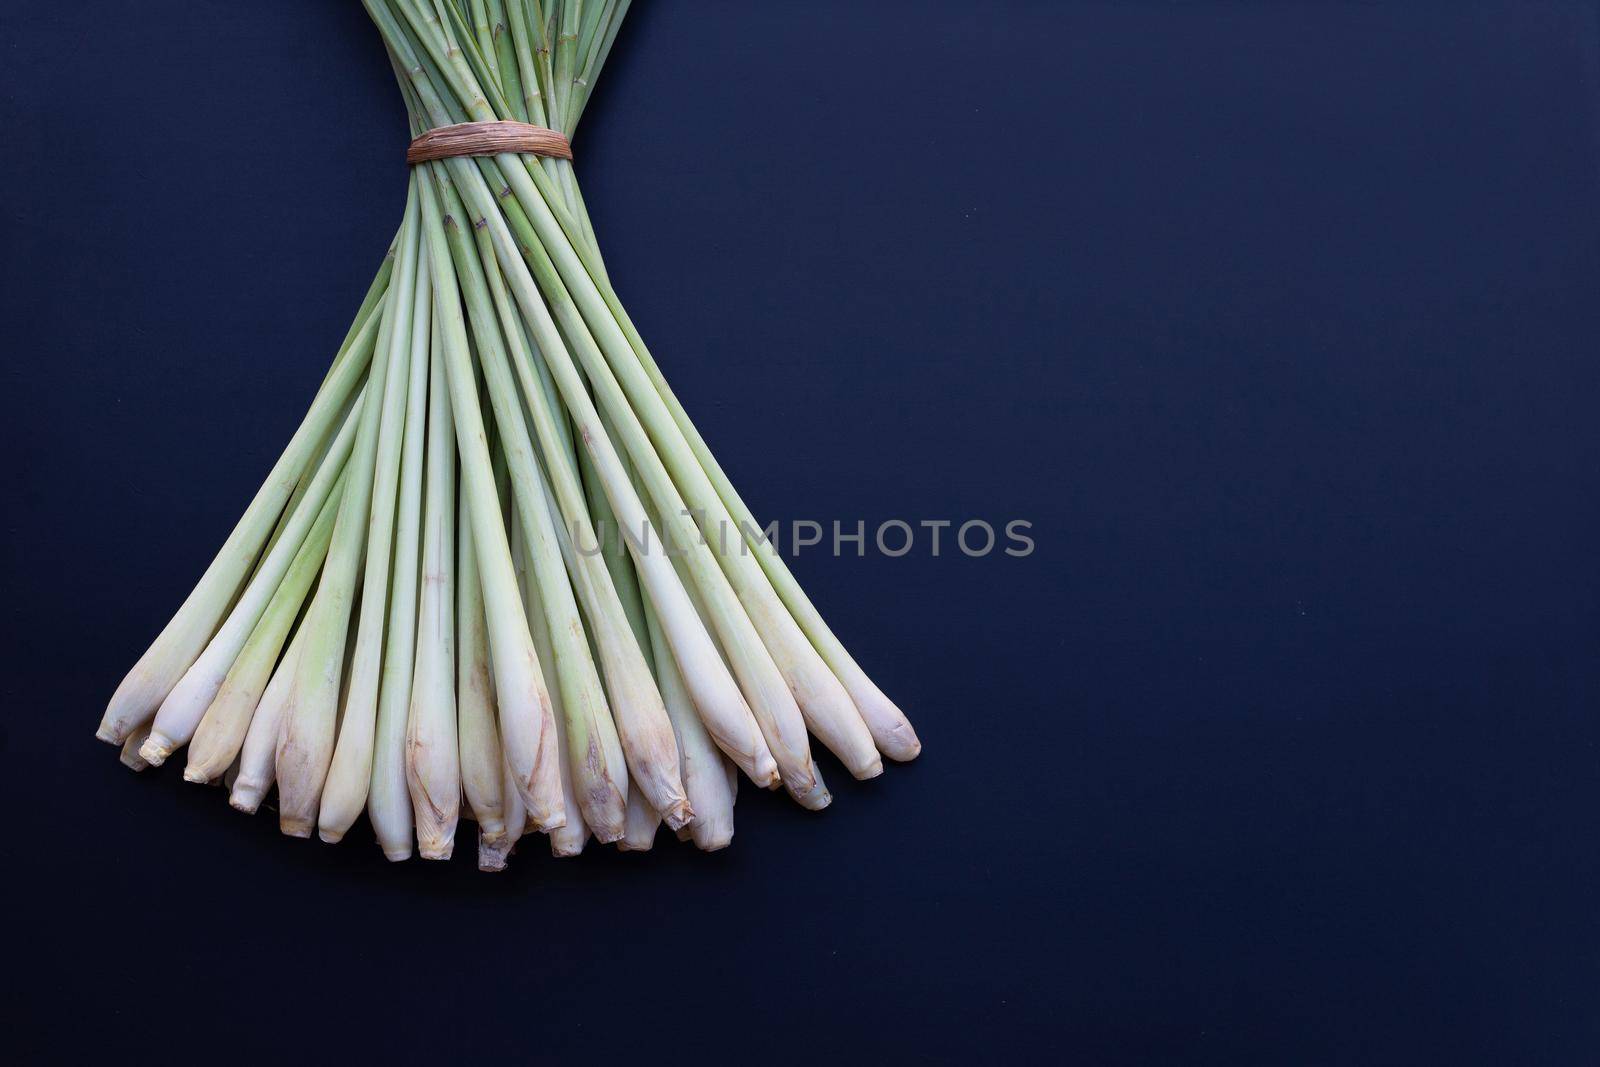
(497, 574)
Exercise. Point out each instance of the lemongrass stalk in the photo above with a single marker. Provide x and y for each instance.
(503, 50)
(612, 545)
(639, 833)
(706, 774)
(516, 814)
(567, 840)
(389, 798)
(492, 854)
(608, 37)
(523, 47)
(129, 756)
(433, 768)
(306, 741)
(222, 731)
(641, 721)
(463, 38)
(344, 794)
(482, 776)
(183, 639)
(484, 31)
(180, 713)
(257, 771)
(231, 775)
(526, 726)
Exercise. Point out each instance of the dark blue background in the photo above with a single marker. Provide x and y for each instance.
(1277, 320)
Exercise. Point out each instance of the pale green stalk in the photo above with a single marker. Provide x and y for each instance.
(222, 731)
(523, 48)
(389, 798)
(484, 30)
(482, 777)
(350, 773)
(506, 59)
(259, 753)
(433, 768)
(569, 839)
(706, 774)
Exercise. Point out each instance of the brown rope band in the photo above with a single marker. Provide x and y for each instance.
(487, 139)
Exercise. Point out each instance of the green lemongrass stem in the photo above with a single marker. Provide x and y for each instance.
(492, 853)
(565, 70)
(389, 797)
(640, 718)
(306, 742)
(566, 840)
(516, 813)
(433, 767)
(580, 100)
(706, 774)
(129, 756)
(601, 768)
(612, 547)
(594, 14)
(180, 713)
(523, 48)
(221, 733)
(344, 793)
(258, 755)
(484, 31)
(464, 41)
(526, 723)
(505, 57)
(639, 833)
(183, 639)
(482, 778)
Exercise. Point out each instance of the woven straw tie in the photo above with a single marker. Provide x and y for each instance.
(487, 139)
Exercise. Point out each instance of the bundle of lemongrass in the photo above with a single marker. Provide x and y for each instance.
(497, 573)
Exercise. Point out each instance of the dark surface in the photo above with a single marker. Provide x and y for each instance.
(1277, 320)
